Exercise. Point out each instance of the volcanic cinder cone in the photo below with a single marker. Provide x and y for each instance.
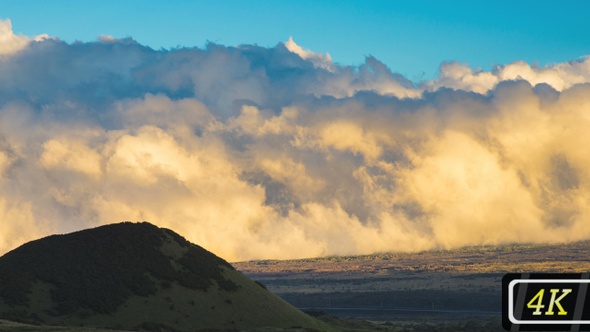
(135, 275)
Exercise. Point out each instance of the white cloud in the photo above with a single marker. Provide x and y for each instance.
(107, 38)
(318, 60)
(11, 43)
(266, 153)
(559, 76)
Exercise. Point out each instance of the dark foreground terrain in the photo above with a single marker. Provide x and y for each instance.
(456, 290)
(337, 324)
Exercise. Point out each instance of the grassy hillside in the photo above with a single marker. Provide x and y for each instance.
(129, 276)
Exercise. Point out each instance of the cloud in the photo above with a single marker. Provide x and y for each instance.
(106, 38)
(318, 60)
(277, 152)
(11, 43)
(559, 76)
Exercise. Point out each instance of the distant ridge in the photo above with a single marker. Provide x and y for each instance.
(134, 275)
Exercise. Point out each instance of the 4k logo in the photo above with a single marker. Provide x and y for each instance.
(551, 302)
(537, 300)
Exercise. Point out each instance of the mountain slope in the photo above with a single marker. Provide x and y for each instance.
(132, 275)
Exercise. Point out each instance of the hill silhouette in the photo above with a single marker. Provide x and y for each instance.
(134, 275)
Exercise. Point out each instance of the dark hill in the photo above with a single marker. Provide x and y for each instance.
(134, 275)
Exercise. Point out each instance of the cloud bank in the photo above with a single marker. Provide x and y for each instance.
(278, 152)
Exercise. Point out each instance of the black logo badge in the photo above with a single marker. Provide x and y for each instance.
(546, 302)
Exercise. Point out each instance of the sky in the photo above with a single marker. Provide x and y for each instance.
(411, 37)
(300, 129)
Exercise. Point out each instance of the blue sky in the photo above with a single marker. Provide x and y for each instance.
(411, 37)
